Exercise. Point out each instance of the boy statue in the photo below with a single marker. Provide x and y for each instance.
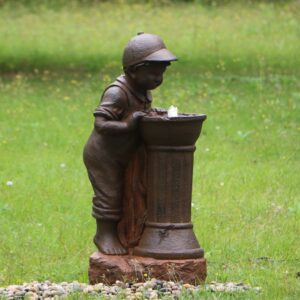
(114, 155)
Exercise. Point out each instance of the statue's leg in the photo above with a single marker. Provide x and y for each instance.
(106, 238)
(108, 187)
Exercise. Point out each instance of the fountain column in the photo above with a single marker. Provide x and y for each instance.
(170, 144)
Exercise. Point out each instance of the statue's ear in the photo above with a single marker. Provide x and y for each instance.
(131, 72)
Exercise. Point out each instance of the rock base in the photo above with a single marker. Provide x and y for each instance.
(109, 268)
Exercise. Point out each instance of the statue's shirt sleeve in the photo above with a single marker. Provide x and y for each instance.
(113, 105)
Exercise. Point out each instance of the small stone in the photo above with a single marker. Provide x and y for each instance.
(176, 293)
(10, 293)
(31, 296)
(19, 294)
(165, 290)
(147, 294)
(153, 295)
(188, 286)
(48, 293)
(114, 290)
(138, 284)
(88, 290)
(127, 291)
(175, 288)
(59, 291)
(98, 287)
(149, 284)
(120, 284)
(43, 287)
(140, 288)
(12, 287)
(35, 287)
(107, 289)
(219, 288)
(75, 287)
(138, 295)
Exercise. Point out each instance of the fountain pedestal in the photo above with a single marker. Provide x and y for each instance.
(168, 248)
(127, 268)
(170, 144)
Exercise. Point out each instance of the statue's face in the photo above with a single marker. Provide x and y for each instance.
(150, 75)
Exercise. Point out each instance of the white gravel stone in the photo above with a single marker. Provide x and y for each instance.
(152, 289)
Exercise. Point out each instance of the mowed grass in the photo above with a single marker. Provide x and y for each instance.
(246, 181)
(239, 37)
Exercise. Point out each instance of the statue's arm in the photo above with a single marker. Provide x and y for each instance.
(109, 116)
(104, 126)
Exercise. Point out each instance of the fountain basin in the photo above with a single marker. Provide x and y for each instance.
(176, 131)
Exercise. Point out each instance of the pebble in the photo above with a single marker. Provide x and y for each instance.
(151, 289)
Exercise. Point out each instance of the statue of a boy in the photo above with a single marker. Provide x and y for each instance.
(114, 142)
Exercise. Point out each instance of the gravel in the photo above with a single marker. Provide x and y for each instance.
(151, 289)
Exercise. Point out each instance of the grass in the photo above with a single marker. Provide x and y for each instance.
(246, 183)
(239, 38)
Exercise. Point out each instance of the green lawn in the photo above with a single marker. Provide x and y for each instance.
(239, 65)
(240, 38)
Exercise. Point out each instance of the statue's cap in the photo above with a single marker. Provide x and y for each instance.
(146, 47)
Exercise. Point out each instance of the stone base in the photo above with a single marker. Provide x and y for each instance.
(109, 268)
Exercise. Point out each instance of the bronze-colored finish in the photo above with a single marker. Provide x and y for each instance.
(146, 47)
(113, 154)
(170, 144)
(140, 165)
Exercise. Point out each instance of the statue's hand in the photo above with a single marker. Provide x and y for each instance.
(136, 116)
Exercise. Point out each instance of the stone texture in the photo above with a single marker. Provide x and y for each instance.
(109, 268)
(149, 289)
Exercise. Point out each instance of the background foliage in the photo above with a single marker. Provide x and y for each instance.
(241, 38)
